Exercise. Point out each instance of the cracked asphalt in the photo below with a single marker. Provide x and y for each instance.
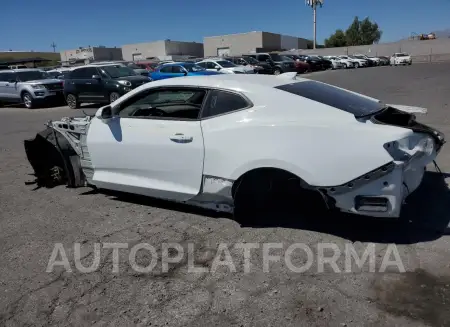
(33, 220)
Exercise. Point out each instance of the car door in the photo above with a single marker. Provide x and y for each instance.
(10, 88)
(211, 66)
(165, 72)
(3, 81)
(153, 146)
(178, 71)
(79, 79)
(94, 88)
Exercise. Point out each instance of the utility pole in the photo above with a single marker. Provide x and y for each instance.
(53, 45)
(313, 4)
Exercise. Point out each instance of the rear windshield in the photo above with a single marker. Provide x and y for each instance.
(334, 97)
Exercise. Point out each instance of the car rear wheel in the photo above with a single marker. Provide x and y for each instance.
(357, 65)
(27, 100)
(270, 193)
(113, 97)
(277, 71)
(72, 101)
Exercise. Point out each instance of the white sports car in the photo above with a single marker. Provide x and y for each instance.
(243, 142)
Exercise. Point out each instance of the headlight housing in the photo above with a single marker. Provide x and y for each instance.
(125, 83)
(38, 86)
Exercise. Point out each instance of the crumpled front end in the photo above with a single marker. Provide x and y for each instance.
(58, 154)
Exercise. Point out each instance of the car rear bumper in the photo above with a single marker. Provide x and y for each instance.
(383, 196)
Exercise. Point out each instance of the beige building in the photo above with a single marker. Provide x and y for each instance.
(90, 54)
(162, 50)
(251, 42)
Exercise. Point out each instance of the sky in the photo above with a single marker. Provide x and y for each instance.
(35, 25)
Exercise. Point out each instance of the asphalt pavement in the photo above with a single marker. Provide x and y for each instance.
(224, 293)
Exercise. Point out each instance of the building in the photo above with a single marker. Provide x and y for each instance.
(162, 50)
(28, 56)
(251, 42)
(89, 54)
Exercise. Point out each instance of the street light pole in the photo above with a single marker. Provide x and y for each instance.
(313, 4)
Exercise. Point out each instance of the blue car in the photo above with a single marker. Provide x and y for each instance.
(179, 69)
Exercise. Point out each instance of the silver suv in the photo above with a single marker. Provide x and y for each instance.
(30, 87)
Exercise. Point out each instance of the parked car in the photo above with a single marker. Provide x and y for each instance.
(148, 66)
(242, 143)
(32, 87)
(100, 83)
(346, 63)
(179, 69)
(59, 73)
(224, 66)
(360, 62)
(400, 58)
(280, 64)
(130, 64)
(301, 66)
(314, 63)
(349, 59)
(335, 63)
(384, 61)
(369, 62)
(258, 67)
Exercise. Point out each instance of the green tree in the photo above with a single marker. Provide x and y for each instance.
(358, 33)
(336, 40)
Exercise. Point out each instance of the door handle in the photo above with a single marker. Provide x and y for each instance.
(181, 138)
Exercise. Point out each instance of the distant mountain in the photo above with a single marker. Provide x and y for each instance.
(442, 34)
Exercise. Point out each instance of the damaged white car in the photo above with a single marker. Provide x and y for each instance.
(244, 142)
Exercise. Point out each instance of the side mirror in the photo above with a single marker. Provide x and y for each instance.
(96, 77)
(218, 68)
(185, 73)
(104, 114)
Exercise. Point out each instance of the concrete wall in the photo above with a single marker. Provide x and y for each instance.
(427, 50)
(91, 53)
(107, 54)
(237, 43)
(289, 42)
(160, 49)
(146, 50)
(184, 48)
(242, 43)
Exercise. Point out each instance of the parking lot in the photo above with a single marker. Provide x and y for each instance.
(33, 220)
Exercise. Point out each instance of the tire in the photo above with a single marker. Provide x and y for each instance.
(271, 193)
(345, 66)
(277, 71)
(27, 100)
(357, 65)
(72, 101)
(113, 97)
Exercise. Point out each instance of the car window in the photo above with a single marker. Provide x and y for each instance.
(263, 57)
(220, 102)
(334, 97)
(211, 65)
(84, 73)
(167, 69)
(7, 77)
(171, 103)
(202, 64)
(177, 69)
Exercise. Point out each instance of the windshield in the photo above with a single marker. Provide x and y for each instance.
(193, 68)
(31, 75)
(115, 71)
(402, 55)
(334, 97)
(225, 63)
(251, 61)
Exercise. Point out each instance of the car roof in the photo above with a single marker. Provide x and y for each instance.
(242, 82)
(21, 70)
(97, 65)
